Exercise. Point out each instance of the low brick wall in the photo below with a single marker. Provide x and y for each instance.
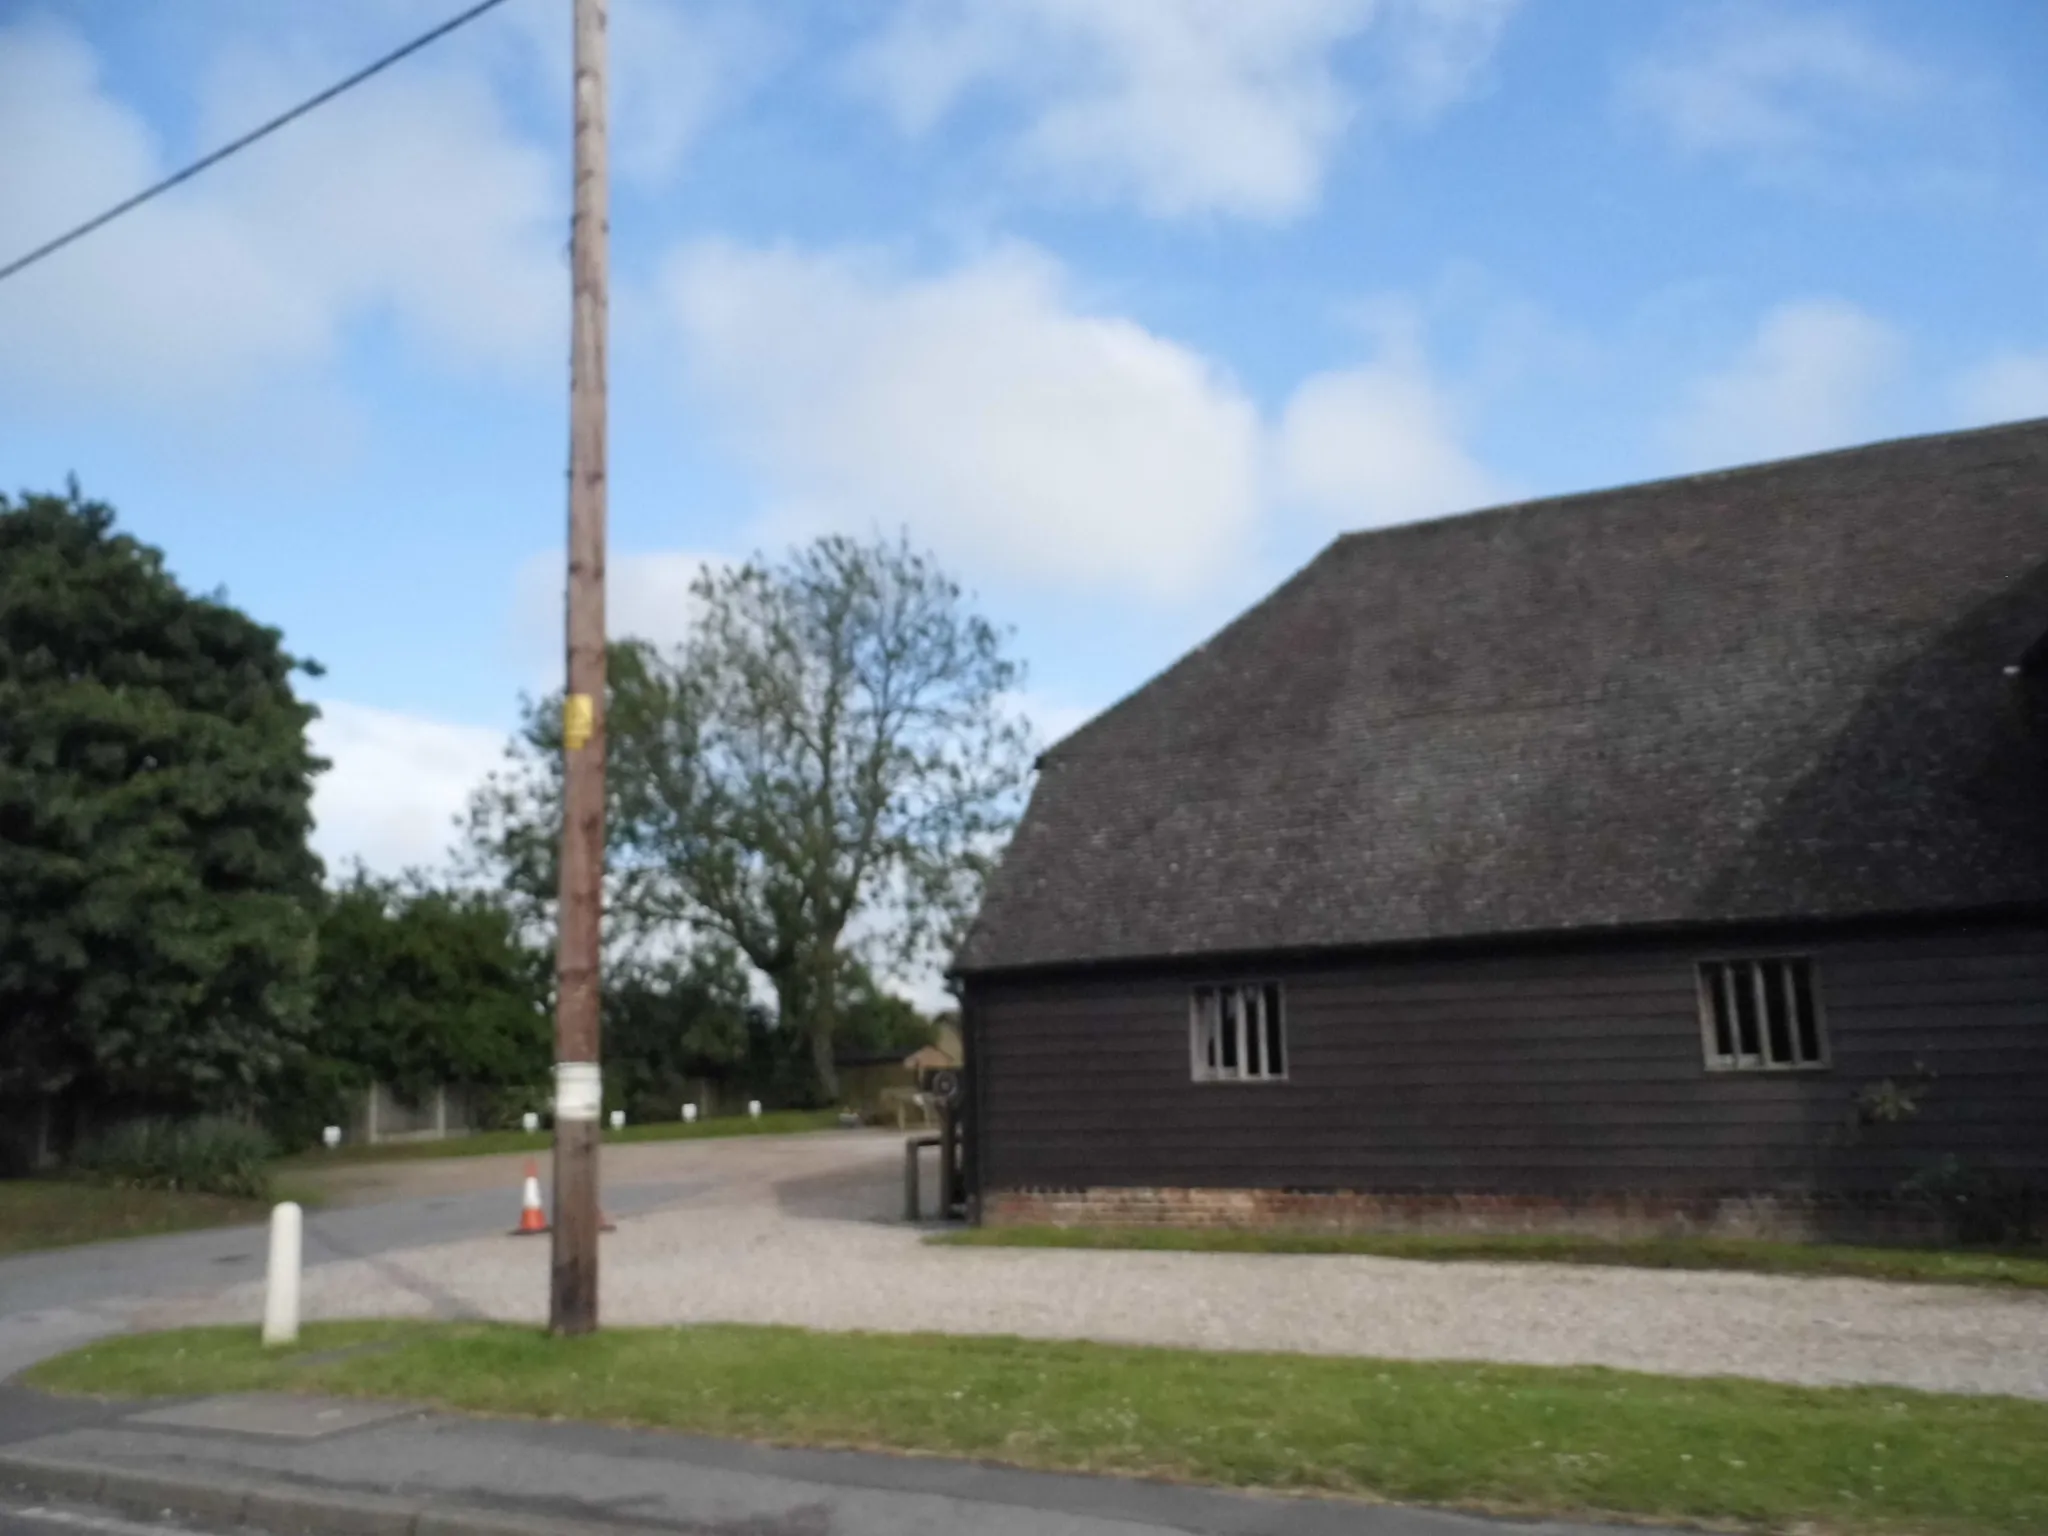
(1780, 1217)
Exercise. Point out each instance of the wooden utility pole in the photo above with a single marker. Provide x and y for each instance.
(572, 1305)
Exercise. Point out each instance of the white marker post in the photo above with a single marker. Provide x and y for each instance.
(618, 1119)
(754, 1108)
(529, 1122)
(281, 1286)
(330, 1138)
(689, 1114)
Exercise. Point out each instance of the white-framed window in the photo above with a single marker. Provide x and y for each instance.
(1762, 1015)
(1238, 1033)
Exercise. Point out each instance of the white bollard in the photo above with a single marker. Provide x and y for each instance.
(689, 1114)
(529, 1121)
(618, 1119)
(330, 1138)
(281, 1285)
(754, 1108)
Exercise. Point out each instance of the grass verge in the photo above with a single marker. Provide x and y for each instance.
(58, 1213)
(1940, 1266)
(487, 1143)
(1509, 1438)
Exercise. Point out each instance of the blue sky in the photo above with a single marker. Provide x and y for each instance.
(1125, 307)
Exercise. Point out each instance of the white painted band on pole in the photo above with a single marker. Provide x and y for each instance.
(281, 1285)
(579, 1090)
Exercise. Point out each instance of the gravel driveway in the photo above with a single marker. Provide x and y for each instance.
(799, 1230)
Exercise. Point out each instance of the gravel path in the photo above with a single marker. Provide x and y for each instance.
(796, 1230)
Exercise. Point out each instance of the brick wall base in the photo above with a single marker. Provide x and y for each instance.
(1791, 1218)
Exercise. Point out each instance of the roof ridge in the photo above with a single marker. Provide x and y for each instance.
(1565, 500)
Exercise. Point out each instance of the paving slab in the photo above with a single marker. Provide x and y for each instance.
(277, 1415)
(422, 1472)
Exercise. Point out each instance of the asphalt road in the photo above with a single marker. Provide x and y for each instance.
(36, 1519)
(56, 1300)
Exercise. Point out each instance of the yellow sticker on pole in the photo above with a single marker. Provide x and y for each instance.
(579, 719)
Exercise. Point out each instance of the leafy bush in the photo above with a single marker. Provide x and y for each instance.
(204, 1156)
(420, 986)
(308, 1095)
(1981, 1204)
(502, 1109)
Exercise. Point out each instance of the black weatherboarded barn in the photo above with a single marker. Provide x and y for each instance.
(1588, 860)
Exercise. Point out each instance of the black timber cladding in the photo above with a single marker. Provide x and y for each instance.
(1554, 1072)
(1783, 692)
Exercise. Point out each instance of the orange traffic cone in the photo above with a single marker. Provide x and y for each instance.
(531, 1217)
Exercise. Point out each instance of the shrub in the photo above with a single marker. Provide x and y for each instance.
(313, 1092)
(204, 1156)
(1981, 1205)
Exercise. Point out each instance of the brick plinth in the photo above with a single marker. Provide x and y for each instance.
(1780, 1217)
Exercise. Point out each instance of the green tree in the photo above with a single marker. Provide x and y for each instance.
(832, 750)
(420, 986)
(156, 887)
(669, 1021)
(873, 1019)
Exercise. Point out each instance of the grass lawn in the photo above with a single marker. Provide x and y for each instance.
(777, 1123)
(1508, 1438)
(1941, 1266)
(56, 1213)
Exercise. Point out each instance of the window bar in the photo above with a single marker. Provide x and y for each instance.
(1789, 998)
(1766, 1041)
(1748, 1027)
(1729, 982)
(1799, 982)
(1255, 1032)
(1713, 1030)
(1726, 987)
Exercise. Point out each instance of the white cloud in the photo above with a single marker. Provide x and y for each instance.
(2010, 387)
(674, 68)
(1814, 376)
(1781, 89)
(1052, 719)
(1186, 106)
(411, 198)
(984, 409)
(397, 785)
(1380, 444)
(647, 597)
(1439, 51)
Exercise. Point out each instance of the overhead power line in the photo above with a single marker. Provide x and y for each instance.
(339, 87)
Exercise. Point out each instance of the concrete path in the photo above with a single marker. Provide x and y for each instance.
(403, 1471)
